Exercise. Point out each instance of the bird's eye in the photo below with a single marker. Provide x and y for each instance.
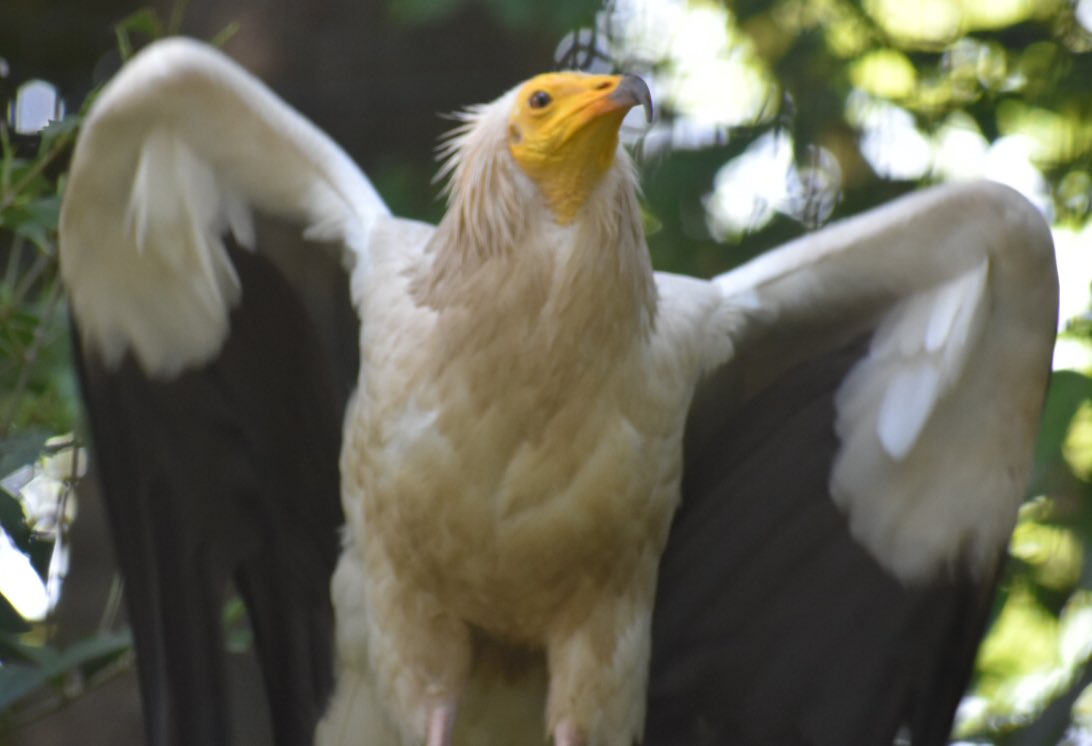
(539, 99)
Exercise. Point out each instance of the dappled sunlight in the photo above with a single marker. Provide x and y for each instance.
(697, 62)
(1019, 657)
(714, 78)
(959, 149)
(1031, 655)
(1083, 13)
(979, 15)
(1054, 136)
(1075, 643)
(1010, 161)
(1082, 711)
(885, 72)
(1054, 553)
(1072, 354)
(890, 142)
(748, 190)
(1073, 251)
(711, 77)
(1077, 448)
(925, 22)
(931, 23)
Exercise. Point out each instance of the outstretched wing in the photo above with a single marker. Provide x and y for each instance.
(215, 393)
(852, 475)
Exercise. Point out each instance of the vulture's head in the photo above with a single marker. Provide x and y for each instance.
(563, 132)
(546, 151)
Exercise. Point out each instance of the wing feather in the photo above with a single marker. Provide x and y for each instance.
(852, 473)
(919, 351)
(957, 290)
(215, 362)
(174, 153)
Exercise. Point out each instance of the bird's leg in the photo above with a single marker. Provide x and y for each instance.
(599, 669)
(419, 653)
(566, 734)
(441, 724)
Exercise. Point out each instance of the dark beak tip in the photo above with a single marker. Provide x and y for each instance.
(635, 91)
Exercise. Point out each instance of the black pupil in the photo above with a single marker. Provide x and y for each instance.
(539, 99)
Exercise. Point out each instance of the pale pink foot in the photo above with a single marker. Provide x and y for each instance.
(441, 723)
(566, 734)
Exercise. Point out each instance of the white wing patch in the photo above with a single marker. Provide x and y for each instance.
(173, 154)
(160, 281)
(174, 187)
(937, 421)
(179, 210)
(907, 403)
(920, 349)
(899, 430)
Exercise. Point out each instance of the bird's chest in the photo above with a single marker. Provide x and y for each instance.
(507, 487)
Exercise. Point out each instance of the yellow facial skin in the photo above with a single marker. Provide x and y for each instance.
(563, 132)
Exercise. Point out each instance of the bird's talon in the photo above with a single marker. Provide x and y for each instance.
(567, 734)
(441, 723)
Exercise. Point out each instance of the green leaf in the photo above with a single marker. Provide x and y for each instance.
(34, 218)
(144, 21)
(57, 133)
(15, 650)
(45, 211)
(93, 650)
(11, 649)
(224, 35)
(178, 12)
(37, 234)
(18, 680)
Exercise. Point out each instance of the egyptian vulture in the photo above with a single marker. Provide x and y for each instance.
(582, 500)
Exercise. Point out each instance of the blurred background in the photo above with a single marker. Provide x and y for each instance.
(774, 117)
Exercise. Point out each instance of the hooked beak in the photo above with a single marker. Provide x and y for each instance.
(631, 91)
